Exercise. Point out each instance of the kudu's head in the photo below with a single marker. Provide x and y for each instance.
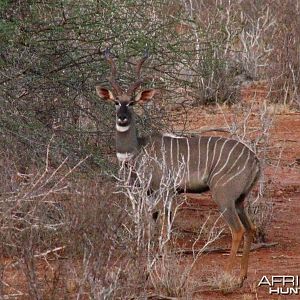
(124, 100)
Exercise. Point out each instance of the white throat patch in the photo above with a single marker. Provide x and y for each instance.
(122, 128)
(124, 156)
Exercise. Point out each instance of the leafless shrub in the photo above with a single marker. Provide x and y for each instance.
(135, 183)
(170, 276)
(284, 65)
(255, 41)
(54, 212)
(255, 38)
(30, 207)
(153, 241)
(30, 270)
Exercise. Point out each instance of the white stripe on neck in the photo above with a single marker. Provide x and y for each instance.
(124, 156)
(122, 128)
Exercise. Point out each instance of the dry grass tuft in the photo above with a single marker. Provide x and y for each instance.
(225, 282)
(170, 276)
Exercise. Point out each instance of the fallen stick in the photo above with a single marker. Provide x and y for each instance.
(50, 251)
(160, 297)
(226, 250)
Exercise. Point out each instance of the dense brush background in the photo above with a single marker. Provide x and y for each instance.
(56, 145)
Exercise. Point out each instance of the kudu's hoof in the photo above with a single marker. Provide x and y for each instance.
(241, 281)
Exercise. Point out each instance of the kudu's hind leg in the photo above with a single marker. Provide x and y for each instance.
(230, 214)
(237, 231)
(240, 225)
(248, 238)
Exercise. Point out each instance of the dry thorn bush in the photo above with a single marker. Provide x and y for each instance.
(167, 275)
(50, 218)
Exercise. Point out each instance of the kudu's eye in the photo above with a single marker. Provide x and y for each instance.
(117, 103)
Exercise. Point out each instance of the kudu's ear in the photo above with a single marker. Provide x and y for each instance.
(104, 93)
(145, 96)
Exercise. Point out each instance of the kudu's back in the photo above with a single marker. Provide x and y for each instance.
(213, 163)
